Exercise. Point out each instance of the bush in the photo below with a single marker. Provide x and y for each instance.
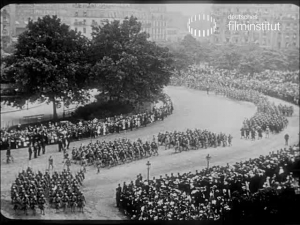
(102, 110)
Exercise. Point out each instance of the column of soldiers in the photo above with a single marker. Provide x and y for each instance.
(31, 190)
(104, 154)
(268, 118)
(193, 139)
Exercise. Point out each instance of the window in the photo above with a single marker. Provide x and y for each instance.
(84, 21)
(84, 30)
(84, 13)
(76, 13)
(76, 29)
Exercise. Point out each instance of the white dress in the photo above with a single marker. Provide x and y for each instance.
(104, 128)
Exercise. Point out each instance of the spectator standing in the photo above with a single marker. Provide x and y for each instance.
(50, 162)
(286, 137)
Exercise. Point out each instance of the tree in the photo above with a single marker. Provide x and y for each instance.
(125, 65)
(292, 58)
(49, 62)
(226, 57)
(181, 58)
(274, 60)
(251, 63)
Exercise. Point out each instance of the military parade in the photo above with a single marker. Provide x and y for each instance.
(60, 191)
(117, 120)
(193, 139)
(112, 153)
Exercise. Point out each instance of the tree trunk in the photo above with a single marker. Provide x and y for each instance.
(54, 108)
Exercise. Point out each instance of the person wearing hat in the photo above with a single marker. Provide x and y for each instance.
(286, 138)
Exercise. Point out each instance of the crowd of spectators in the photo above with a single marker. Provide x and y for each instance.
(66, 131)
(256, 188)
(278, 84)
(268, 118)
(61, 190)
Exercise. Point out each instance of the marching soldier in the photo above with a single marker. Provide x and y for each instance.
(98, 165)
(68, 164)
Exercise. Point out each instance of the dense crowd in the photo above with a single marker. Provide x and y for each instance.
(103, 154)
(282, 85)
(62, 132)
(268, 118)
(256, 187)
(193, 139)
(61, 190)
(112, 153)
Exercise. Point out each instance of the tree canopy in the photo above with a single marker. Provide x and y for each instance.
(247, 59)
(125, 65)
(49, 62)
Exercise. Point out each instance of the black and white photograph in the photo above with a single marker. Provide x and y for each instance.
(150, 112)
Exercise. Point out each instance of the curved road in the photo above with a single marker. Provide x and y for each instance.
(193, 109)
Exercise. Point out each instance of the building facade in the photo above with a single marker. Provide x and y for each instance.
(82, 17)
(152, 17)
(176, 26)
(7, 25)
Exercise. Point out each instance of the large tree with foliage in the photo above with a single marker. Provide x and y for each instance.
(125, 65)
(181, 58)
(292, 58)
(49, 62)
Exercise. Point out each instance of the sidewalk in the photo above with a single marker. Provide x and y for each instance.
(15, 117)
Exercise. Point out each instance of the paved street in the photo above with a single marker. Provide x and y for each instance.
(192, 109)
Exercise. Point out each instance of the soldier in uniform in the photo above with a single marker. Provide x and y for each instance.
(30, 151)
(98, 163)
(43, 142)
(57, 201)
(68, 164)
(35, 149)
(50, 162)
(39, 147)
(118, 195)
(60, 144)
